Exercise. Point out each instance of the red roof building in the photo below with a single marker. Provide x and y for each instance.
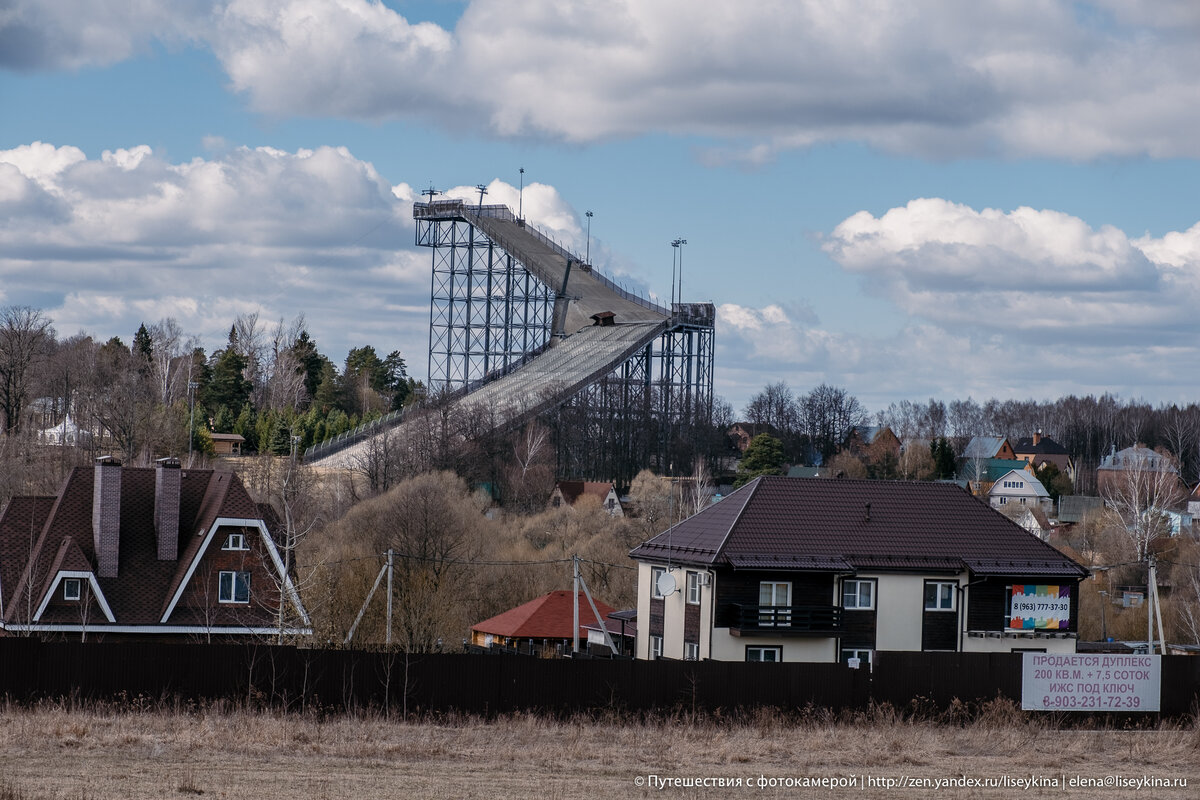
(540, 624)
(161, 551)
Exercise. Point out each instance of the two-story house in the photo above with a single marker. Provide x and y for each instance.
(1018, 487)
(795, 569)
(126, 552)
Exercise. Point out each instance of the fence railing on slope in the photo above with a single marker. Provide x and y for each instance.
(473, 213)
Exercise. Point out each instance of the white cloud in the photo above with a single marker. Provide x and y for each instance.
(1023, 273)
(135, 238)
(1059, 79)
(45, 34)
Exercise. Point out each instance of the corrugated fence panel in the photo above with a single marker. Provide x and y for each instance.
(292, 678)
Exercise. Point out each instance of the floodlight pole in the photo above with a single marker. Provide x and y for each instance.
(678, 245)
(587, 253)
(482, 191)
(521, 198)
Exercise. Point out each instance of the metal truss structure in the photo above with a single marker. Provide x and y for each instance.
(492, 312)
(486, 313)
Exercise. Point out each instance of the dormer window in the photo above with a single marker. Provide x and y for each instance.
(70, 588)
(235, 541)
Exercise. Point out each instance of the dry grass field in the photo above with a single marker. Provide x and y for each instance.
(103, 754)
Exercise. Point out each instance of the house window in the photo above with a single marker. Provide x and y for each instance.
(939, 595)
(774, 600)
(70, 588)
(691, 651)
(772, 654)
(655, 574)
(235, 541)
(234, 587)
(858, 595)
(1003, 500)
(655, 647)
(861, 653)
(693, 588)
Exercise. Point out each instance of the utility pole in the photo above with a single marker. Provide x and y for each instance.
(482, 191)
(387, 639)
(575, 604)
(1153, 592)
(521, 199)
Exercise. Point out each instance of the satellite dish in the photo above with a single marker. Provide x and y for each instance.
(666, 584)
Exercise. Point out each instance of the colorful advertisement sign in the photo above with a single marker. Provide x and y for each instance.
(1035, 607)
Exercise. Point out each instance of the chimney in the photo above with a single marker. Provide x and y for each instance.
(167, 480)
(1037, 437)
(106, 515)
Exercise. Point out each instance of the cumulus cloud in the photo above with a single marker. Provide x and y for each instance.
(36, 34)
(130, 237)
(934, 79)
(1023, 273)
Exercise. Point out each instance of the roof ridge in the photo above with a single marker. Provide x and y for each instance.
(756, 483)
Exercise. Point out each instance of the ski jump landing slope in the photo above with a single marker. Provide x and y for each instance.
(579, 354)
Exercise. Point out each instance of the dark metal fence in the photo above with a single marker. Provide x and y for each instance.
(297, 678)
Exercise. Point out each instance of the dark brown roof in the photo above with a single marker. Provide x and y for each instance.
(822, 524)
(1045, 447)
(573, 490)
(144, 585)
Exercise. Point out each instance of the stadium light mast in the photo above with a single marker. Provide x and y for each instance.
(521, 198)
(678, 245)
(482, 191)
(587, 256)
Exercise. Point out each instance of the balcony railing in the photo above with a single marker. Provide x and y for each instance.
(786, 620)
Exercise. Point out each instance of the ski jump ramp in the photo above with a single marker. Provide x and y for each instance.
(594, 328)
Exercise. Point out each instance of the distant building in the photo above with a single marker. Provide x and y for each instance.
(569, 492)
(544, 625)
(227, 444)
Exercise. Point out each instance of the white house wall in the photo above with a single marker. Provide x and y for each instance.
(899, 609)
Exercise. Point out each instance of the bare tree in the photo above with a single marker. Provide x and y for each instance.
(1136, 495)
(25, 337)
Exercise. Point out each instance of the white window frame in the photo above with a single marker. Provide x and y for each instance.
(864, 654)
(858, 604)
(691, 651)
(693, 588)
(231, 597)
(761, 649)
(655, 573)
(780, 619)
(656, 647)
(68, 583)
(235, 541)
(938, 596)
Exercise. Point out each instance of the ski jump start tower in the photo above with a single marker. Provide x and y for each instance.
(521, 324)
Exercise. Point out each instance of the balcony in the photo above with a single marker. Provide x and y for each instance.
(747, 620)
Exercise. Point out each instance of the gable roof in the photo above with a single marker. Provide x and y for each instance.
(991, 469)
(1029, 480)
(814, 524)
(65, 542)
(573, 490)
(1045, 447)
(983, 447)
(547, 617)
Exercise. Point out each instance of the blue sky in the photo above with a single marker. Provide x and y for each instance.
(994, 199)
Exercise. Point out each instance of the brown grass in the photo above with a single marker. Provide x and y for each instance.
(100, 753)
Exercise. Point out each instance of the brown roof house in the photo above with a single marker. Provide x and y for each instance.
(1040, 450)
(542, 625)
(136, 552)
(569, 492)
(802, 569)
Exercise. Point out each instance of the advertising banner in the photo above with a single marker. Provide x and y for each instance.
(1034, 607)
(1099, 682)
